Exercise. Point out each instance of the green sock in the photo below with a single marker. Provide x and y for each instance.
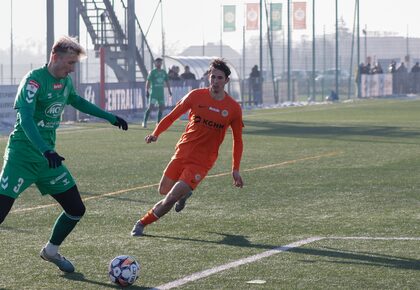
(160, 113)
(62, 228)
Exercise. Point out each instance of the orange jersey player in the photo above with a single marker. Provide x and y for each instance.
(211, 112)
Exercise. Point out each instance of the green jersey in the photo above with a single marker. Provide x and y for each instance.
(42, 97)
(40, 101)
(157, 79)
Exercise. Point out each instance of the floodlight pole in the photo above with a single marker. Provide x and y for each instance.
(358, 31)
(313, 52)
(11, 42)
(261, 54)
(336, 49)
(366, 50)
(162, 29)
(50, 27)
(359, 92)
(289, 55)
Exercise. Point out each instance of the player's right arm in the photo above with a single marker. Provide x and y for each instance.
(25, 104)
(181, 108)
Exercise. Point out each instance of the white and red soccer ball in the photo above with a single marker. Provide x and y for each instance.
(123, 270)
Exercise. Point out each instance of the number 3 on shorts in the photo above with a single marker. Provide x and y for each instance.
(19, 184)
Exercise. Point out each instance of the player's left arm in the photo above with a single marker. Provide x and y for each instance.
(87, 107)
(237, 149)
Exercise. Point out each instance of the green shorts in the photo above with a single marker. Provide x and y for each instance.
(157, 100)
(18, 175)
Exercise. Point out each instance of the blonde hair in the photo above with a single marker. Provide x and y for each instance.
(66, 44)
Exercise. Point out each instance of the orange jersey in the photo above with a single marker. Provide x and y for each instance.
(208, 121)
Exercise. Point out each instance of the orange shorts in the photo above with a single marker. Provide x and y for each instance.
(190, 173)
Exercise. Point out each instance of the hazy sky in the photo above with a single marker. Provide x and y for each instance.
(192, 22)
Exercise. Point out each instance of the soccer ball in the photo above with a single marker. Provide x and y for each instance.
(123, 270)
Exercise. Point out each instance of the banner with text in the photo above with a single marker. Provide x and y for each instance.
(118, 96)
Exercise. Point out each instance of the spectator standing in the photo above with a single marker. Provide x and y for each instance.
(415, 78)
(205, 79)
(188, 77)
(393, 69)
(402, 77)
(377, 69)
(358, 79)
(173, 73)
(255, 85)
(187, 74)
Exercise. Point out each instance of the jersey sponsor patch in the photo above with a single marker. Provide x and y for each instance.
(54, 110)
(58, 178)
(41, 123)
(196, 179)
(58, 86)
(214, 109)
(31, 89)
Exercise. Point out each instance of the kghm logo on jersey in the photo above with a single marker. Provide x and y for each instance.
(54, 110)
(208, 123)
(31, 89)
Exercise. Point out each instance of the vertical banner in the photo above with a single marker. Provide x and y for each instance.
(229, 18)
(276, 16)
(252, 16)
(299, 15)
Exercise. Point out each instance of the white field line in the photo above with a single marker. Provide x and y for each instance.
(156, 184)
(234, 264)
(376, 238)
(203, 274)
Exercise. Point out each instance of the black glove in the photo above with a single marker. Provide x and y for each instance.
(121, 123)
(54, 160)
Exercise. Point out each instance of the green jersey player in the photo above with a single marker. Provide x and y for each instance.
(156, 81)
(30, 157)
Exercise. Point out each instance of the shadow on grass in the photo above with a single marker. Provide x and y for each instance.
(343, 257)
(313, 130)
(360, 258)
(228, 239)
(81, 278)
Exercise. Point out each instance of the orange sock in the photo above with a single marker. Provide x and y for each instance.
(149, 218)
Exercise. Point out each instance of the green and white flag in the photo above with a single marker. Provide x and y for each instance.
(229, 18)
(276, 16)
